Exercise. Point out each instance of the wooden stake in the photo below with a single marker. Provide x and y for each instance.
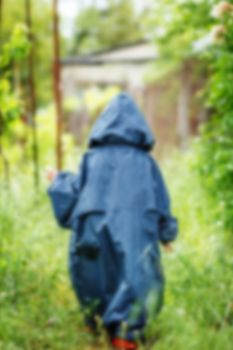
(57, 86)
(32, 94)
(5, 162)
(1, 6)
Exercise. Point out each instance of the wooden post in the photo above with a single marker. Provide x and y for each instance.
(149, 104)
(183, 112)
(5, 162)
(1, 5)
(57, 86)
(32, 94)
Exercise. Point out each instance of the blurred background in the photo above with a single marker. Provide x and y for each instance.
(61, 61)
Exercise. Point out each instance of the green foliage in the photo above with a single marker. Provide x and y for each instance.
(112, 26)
(216, 143)
(46, 123)
(10, 106)
(16, 48)
(41, 16)
(175, 27)
(179, 25)
(12, 53)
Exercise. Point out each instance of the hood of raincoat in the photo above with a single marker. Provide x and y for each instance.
(123, 123)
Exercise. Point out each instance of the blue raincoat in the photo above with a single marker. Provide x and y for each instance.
(117, 207)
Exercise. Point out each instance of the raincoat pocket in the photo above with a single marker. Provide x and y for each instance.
(88, 231)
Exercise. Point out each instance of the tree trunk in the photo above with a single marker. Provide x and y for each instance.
(57, 86)
(32, 94)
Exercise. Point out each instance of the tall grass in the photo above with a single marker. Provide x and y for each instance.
(198, 312)
(38, 307)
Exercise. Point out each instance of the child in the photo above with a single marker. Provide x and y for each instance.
(118, 210)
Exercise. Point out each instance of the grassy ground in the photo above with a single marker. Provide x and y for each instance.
(39, 310)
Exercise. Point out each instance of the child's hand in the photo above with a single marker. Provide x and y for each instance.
(50, 174)
(168, 248)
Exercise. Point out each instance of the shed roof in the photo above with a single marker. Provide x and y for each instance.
(136, 53)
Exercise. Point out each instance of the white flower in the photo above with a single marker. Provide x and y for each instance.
(220, 9)
(217, 33)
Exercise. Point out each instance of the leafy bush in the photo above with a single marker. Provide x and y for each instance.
(216, 143)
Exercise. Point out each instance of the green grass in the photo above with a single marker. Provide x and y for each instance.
(38, 309)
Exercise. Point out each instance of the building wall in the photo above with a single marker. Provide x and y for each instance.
(170, 106)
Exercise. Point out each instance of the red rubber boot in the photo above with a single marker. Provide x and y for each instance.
(121, 344)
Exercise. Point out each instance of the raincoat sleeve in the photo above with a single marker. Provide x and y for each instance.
(64, 195)
(167, 224)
